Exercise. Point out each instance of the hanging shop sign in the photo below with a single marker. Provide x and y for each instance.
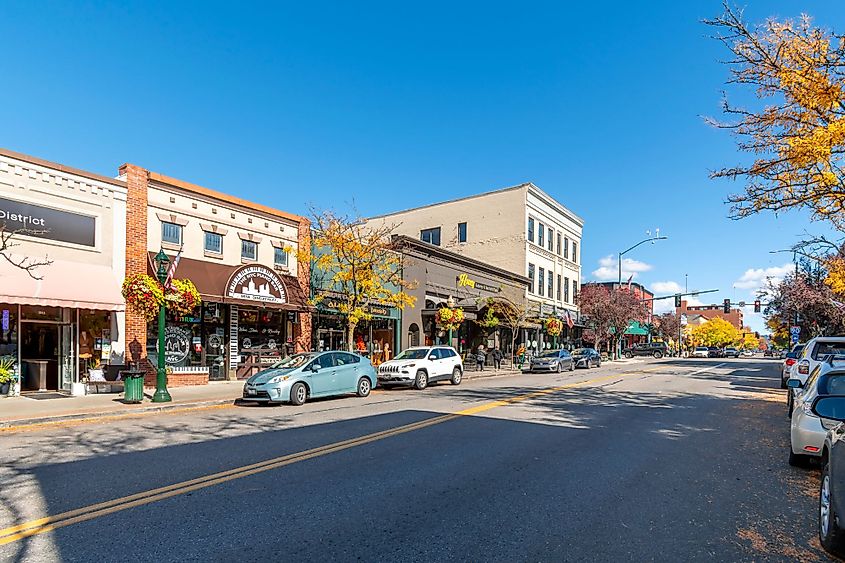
(256, 283)
(464, 280)
(43, 222)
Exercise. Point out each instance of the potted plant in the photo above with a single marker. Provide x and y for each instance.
(95, 370)
(7, 374)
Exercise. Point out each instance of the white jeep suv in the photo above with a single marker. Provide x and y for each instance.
(422, 365)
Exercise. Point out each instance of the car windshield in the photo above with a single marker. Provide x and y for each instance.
(293, 362)
(413, 354)
(701, 349)
(551, 354)
(580, 351)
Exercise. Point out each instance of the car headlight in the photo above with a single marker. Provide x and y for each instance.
(279, 379)
(406, 366)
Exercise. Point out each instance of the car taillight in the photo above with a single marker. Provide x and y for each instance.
(790, 361)
(803, 367)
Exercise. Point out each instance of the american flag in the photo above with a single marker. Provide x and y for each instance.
(171, 271)
(569, 322)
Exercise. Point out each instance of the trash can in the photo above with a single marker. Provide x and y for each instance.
(133, 386)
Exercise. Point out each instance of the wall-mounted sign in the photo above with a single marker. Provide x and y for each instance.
(332, 301)
(464, 280)
(4, 324)
(177, 345)
(256, 283)
(46, 223)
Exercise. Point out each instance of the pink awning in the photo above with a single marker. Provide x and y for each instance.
(62, 284)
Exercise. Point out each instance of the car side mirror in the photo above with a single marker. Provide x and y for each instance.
(830, 406)
(432, 357)
(793, 383)
(315, 367)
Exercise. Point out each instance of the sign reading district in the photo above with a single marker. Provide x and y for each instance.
(43, 222)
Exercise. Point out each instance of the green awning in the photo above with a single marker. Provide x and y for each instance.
(636, 329)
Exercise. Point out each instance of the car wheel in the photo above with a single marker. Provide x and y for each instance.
(598, 363)
(629, 355)
(364, 387)
(421, 381)
(558, 368)
(658, 355)
(589, 363)
(457, 376)
(830, 535)
(298, 394)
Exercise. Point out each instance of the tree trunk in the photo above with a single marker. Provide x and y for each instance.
(350, 335)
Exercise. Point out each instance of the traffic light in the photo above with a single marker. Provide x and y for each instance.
(757, 306)
(677, 300)
(756, 335)
(727, 306)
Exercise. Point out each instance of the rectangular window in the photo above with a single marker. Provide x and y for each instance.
(249, 250)
(574, 251)
(566, 247)
(280, 257)
(540, 232)
(541, 282)
(531, 278)
(551, 239)
(213, 242)
(558, 287)
(574, 291)
(551, 285)
(566, 290)
(462, 232)
(531, 229)
(431, 236)
(171, 232)
(558, 244)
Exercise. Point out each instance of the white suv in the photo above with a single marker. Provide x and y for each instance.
(422, 365)
(814, 353)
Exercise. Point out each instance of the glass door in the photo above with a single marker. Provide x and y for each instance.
(67, 356)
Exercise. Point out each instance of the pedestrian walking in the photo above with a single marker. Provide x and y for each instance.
(480, 358)
(520, 355)
(497, 358)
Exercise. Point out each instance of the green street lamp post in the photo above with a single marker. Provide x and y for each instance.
(161, 395)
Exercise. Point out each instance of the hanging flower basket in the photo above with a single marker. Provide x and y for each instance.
(143, 294)
(449, 319)
(182, 297)
(554, 326)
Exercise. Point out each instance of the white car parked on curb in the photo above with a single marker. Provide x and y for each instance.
(807, 430)
(815, 351)
(422, 365)
(700, 352)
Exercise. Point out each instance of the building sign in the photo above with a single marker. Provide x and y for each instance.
(177, 345)
(464, 280)
(256, 283)
(332, 300)
(46, 223)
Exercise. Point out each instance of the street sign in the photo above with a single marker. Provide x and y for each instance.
(742, 303)
(683, 320)
(795, 333)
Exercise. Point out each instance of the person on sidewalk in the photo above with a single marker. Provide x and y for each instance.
(480, 358)
(520, 355)
(497, 358)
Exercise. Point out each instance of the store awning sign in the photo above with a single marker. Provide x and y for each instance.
(464, 280)
(44, 222)
(256, 283)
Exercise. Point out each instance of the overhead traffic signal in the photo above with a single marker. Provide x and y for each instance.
(757, 306)
(677, 300)
(726, 307)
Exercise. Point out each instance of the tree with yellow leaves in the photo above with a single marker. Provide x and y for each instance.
(798, 136)
(357, 266)
(715, 332)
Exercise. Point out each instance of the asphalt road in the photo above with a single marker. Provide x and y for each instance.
(652, 461)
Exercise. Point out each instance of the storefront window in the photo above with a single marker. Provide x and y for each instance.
(36, 313)
(94, 338)
(9, 330)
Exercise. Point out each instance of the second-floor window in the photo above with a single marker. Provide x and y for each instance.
(540, 232)
(574, 291)
(531, 278)
(541, 282)
(462, 232)
(558, 287)
(531, 229)
(280, 257)
(171, 232)
(249, 250)
(551, 239)
(213, 243)
(551, 285)
(566, 247)
(431, 236)
(574, 251)
(566, 290)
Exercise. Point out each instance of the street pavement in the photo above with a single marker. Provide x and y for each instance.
(660, 460)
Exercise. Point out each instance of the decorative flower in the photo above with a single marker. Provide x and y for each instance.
(145, 295)
(449, 319)
(554, 326)
(182, 297)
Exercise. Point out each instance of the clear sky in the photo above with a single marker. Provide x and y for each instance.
(391, 106)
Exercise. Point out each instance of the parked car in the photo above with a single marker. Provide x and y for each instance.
(586, 358)
(808, 431)
(748, 353)
(301, 377)
(730, 353)
(813, 353)
(786, 366)
(832, 488)
(769, 353)
(715, 352)
(421, 365)
(552, 360)
(701, 352)
(655, 349)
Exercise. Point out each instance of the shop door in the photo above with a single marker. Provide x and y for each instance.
(67, 356)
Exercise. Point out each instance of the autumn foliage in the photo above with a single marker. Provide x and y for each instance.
(608, 312)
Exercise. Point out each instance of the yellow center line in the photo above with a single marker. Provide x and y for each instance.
(49, 523)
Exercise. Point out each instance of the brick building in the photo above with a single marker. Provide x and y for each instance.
(241, 256)
(710, 312)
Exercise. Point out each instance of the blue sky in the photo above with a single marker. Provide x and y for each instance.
(391, 106)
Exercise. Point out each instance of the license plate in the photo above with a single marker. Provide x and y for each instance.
(251, 392)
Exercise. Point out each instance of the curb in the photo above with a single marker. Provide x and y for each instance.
(9, 425)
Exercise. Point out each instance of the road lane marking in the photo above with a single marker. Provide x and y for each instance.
(50, 523)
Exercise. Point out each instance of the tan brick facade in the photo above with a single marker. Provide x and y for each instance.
(136, 255)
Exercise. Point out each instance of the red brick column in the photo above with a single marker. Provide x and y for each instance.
(136, 253)
(302, 332)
